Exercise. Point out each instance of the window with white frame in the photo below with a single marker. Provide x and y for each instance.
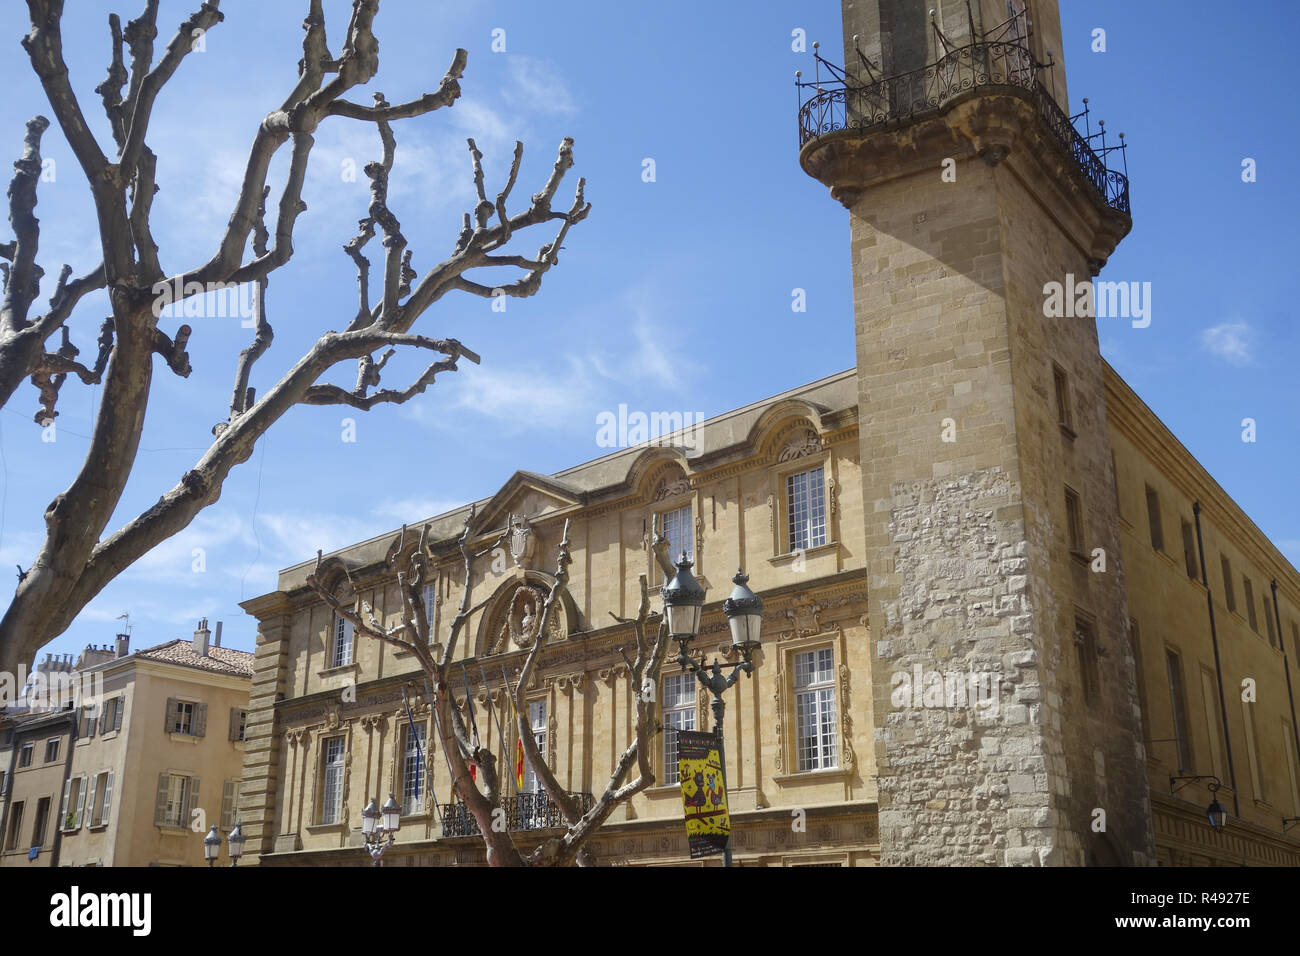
(177, 792)
(101, 798)
(805, 504)
(676, 526)
(536, 720)
(52, 750)
(332, 781)
(73, 807)
(413, 769)
(25, 756)
(430, 597)
(341, 648)
(679, 714)
(182, 717)
(814, 703)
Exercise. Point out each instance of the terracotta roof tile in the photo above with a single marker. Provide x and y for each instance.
(220, 660)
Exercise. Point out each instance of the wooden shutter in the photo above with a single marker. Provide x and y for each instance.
(63, 807)
(103, 719)
(193, 802)
(228, 804)
(119, 705)
(90, 712)
(234, 724)
(90, 800)
(81, 803)
(160, 804)
(106, 804)
(199, 723)
(173, 708)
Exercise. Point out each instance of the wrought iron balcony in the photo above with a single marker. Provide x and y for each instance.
(841, 104)
(524, 811)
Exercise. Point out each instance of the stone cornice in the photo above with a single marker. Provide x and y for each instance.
(1131, 417)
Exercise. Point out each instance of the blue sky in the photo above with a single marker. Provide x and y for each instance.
(674, 294)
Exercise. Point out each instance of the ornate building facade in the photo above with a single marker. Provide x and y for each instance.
(1008, 618)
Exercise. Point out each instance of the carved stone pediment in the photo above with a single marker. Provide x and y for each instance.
(803, 443)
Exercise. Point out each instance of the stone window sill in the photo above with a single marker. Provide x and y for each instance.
(184, 738)
(790, 556)
(337, 671)
(327, 828)
(812, 777)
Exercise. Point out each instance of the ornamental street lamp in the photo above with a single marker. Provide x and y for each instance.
(212, 845)
(1215, 813)
(379, 822)
(683, 605)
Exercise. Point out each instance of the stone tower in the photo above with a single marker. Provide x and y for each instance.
(992, 524)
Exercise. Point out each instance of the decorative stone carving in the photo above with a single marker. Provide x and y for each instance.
(846, 720)
(807, 442)
(832, 495)
(806, 616)
(771, 512)
(702, 703)
(779, 698)
(552, 730)
(523, 542)
(669, 489)
(522, 617)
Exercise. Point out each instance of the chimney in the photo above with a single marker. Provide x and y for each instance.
(201, 636)
(122, 646)
(216, 638)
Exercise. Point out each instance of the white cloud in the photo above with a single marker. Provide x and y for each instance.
(1230, 341)
(535, 87)
(410, 510)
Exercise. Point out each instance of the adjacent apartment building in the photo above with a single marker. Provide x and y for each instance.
(138, 776)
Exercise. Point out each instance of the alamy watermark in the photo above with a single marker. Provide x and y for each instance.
(1098, 300)
(624, 429)
(50, 690)
(945, 689)
(203, 300)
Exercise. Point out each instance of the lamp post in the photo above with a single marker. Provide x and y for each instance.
(379, 822)
(683, 607)
(1215, 813)
(212, 844)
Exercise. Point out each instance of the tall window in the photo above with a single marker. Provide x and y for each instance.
(25, 756)
(73, 808)
(111, 714)
(42, 820)
(1268, 619)
(1252, 749)
(1073, 521)
(679, 714)
(1085, 640)
(52, 750)
(341, 648)
(413, 769)
(805, 504)
(1229, 595)
(238, 724)
(103, 799)
(536, 720)
(15, 826)
(1210, 702)
(1153, 519)
(332, 782)
(1249, 590)
(1063, 412)
(1189, 550)
(89, 718)
(430, 598)
(1178, 705)
(182, 717)
(814, 704)
(178, 798)
(677, 528)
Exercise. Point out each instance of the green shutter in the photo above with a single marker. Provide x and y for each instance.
(160, 804)
(200, 721)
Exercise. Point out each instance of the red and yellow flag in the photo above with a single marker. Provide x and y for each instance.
(519, 764)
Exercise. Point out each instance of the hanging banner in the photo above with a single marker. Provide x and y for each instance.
(704, 796)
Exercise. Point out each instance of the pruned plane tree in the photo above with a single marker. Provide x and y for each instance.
(78, 556)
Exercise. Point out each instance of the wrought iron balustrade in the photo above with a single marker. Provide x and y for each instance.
(524, 811)
(840, 102)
